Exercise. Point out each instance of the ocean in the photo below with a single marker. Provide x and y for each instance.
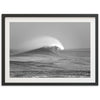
(42, 64)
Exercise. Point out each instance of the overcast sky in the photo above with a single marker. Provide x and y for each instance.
(71, 35)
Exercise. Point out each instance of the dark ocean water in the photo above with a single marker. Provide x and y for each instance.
(69, 63)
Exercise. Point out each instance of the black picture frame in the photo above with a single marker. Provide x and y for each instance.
(4, 16)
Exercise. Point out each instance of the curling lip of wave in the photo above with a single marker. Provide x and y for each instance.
(38, 42)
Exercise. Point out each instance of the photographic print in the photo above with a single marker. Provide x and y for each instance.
(49, 49)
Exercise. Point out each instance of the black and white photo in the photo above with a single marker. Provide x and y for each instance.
(50, 49)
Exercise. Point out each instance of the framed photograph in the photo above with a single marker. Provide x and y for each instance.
(49, 49)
